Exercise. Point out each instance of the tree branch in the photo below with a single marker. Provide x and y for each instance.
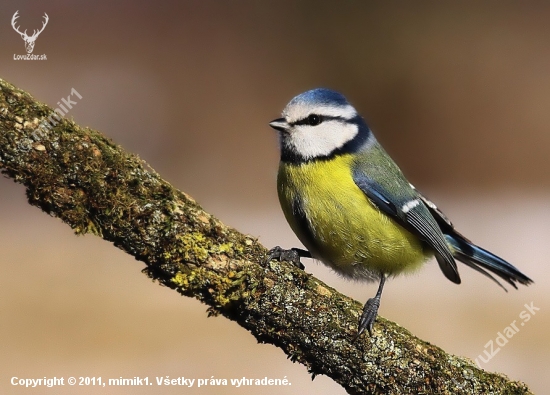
(94, 186)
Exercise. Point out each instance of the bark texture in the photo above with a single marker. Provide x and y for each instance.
(94, 186)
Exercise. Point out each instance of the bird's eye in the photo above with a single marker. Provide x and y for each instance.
(314, 120)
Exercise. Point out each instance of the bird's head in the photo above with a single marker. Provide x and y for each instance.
(318, 124)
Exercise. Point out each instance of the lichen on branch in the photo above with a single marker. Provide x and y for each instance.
(94, 186)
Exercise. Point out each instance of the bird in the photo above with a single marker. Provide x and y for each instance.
(352, 208)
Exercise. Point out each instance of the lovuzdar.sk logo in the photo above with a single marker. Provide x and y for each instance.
(29, 40)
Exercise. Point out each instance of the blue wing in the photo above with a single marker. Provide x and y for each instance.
(407, 208)
(379, 178)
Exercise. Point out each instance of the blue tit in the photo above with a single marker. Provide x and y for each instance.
(353, 209)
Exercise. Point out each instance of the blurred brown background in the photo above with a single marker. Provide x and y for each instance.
(458, 93)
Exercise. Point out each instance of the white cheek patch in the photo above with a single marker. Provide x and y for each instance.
(323, 139)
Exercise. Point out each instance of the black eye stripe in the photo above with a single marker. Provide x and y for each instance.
(322, 118)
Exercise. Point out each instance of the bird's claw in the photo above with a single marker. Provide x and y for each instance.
(368, 317)
(281, 254)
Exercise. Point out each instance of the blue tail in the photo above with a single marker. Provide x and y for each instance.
(482, 260)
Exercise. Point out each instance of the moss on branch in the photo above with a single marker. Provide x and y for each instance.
(94, 186)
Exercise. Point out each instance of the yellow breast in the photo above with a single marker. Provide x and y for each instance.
(342, 227)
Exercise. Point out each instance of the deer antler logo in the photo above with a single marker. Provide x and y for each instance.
(29, 40)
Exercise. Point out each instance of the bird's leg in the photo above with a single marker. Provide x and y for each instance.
(293, 255)
(370, 311)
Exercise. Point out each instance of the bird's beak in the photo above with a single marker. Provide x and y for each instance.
(279, 124)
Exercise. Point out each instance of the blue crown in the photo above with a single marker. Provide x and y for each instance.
(320, 96)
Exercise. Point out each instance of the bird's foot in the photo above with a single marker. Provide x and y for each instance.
(368, 317)
(293, 255)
